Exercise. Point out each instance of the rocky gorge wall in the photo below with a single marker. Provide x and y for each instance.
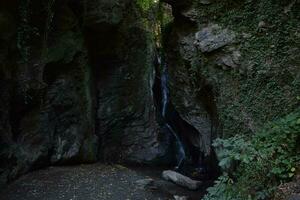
(76, 85)
(235, 75)
(78, 78)
(238, 58)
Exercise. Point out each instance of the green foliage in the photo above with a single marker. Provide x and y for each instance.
(234, 149)
(145, 5)
(264, 160)
(273, 78)
(253, 93)
(222, 190)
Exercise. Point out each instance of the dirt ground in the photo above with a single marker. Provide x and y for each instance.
(94, 182)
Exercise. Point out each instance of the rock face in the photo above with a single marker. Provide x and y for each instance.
(225, 76)
(76, 85)
(212, 38)
(47, 118)
(124, 76)
(181, 180)
(192, 97)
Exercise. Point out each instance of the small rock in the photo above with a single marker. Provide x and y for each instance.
(227, 61)
(190, 14)
(176, 197)
(205, 2)
(262, 24)
(233, 60)
(236, 57)
(181, 180)
(246, 35)
(143, 183)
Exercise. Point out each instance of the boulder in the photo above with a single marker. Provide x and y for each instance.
(213, 37)
(181, 180)
(190, 13)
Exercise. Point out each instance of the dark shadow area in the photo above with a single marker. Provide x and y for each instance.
(103, 44)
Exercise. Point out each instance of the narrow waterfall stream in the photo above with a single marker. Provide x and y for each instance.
(165, 101)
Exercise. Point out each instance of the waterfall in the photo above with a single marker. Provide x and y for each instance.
(164, 88)
(180, 151)
(165, 100)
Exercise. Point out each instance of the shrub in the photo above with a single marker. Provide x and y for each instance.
(262, 161)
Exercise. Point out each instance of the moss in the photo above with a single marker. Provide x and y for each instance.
(146, 5)
(269, 83)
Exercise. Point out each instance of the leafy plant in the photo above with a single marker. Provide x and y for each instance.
(262, 161)
(146, 4)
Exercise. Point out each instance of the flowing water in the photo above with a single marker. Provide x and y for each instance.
(181, 155)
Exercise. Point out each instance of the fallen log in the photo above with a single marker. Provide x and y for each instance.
(181, 180)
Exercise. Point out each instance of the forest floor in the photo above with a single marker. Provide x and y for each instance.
(95, 182)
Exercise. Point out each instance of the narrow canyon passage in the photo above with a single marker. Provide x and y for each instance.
(149, 99)
(97, 93)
